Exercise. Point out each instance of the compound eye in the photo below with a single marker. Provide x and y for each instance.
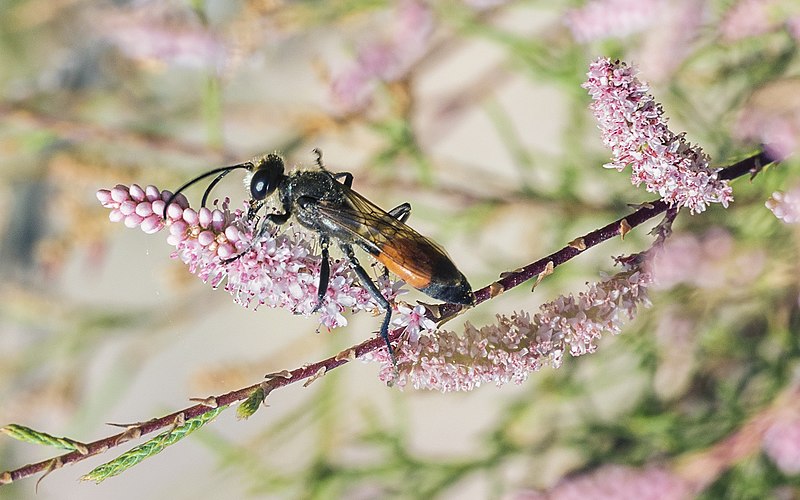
(262, 184)
(266, 177)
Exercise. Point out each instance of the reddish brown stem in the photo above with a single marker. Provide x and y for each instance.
(156, 424)
(750, 165)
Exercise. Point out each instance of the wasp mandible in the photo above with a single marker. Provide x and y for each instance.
(325, 203)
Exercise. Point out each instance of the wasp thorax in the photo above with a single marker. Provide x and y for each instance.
(266, 176)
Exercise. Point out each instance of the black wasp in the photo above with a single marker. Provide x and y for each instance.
(326, 203)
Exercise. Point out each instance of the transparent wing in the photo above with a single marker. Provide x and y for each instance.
(404, 251)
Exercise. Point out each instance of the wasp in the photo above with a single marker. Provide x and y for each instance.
(325, 203)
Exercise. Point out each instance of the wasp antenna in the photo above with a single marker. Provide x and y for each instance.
(224, 171)
(318, 153)
(214, 183)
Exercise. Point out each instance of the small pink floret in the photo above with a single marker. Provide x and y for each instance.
(152, 193)
(152, 224)
(133, 220)
(115, 215)
(144, 209)
(120, 194)
(104, 196)
(191, 217)
(205, 238)
(136, 192)
(204, 217)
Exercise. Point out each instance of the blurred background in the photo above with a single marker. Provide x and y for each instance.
(472, 111)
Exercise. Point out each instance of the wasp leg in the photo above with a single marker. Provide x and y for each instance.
(401, 212)
(252, 210)
(277, 219)
(367, 283)
(324, 272)
(261, 230)
(318, 153)
(348, 178)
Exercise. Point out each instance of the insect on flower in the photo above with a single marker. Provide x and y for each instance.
(325, 203)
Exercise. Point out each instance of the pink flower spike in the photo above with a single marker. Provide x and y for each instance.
(619, 482)
(782, 444)
(277, 270)
(599, 19)
(515, 346)
(633, 127)
(386, 59)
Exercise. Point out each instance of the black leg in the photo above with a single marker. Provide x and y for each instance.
(401, 212)
(348, 178)
(367, 283)
(324, 272)
(261, 230)
(252, 210)
(318, 152)
(277, 219)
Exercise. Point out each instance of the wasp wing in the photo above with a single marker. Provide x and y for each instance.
(411, 256)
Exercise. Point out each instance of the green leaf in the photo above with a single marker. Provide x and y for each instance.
(251, 404)
(29, 435)
(150, 448)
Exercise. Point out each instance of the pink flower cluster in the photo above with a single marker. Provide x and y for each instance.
(633, 127)
(384, 60)
(748, 18)
(710, 261)
(159, 32)
(782, 443)
(786, 206)
(518, 345)
(600, 19)
(277, 269)
(776, 126)
(618, 482)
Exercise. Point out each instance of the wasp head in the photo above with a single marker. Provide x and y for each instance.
(267, 174)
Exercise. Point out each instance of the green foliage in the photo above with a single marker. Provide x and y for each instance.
(150, 447)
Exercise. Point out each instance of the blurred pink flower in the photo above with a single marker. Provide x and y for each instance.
(771, 116)
(786, 206)
(617, 482)
(665, 45)
(159, 32)
(793, 24)
(280, 269)
(707, 261)
(749, 18)
(633, 127)
(385, 60)
(600, 19)
(782, 443)
(518, 345)
(484, 4)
